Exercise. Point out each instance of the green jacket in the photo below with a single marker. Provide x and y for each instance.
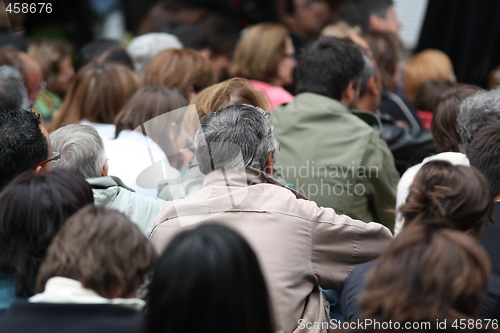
(335, 158)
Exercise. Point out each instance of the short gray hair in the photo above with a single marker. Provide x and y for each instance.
(237, 129)
(145, 47)
(81, 148)
(477, 111)
(13, 93)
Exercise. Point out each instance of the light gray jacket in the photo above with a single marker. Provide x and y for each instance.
(112, 193)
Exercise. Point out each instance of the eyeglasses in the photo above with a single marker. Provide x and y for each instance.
(55, 157)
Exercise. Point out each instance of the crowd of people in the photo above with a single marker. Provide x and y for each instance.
(294, 178)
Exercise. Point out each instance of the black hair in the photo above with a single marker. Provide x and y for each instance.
(33, 207)
(22, 143)
(209, 272)
(328, 66)
(93, 50)
(191, 35)
(484, 154)
(12, 41)
(357, 12)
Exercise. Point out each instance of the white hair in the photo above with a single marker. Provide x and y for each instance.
(81, 148)
(145, 47)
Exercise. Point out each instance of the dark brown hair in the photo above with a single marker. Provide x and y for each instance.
(428, 94)
(184, 69)
(444, 122)
(101, 249)
(427, 274)
(456, 195)
(98, 93)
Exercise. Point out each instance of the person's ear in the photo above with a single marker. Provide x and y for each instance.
(191, 93)
(105, 169)
(348, 95)
(372, 87)
(38, 169)
(269, 164)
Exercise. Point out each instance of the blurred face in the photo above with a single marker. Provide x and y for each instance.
(389, 23)
(284, 72)
(310, 17)
(61, 82)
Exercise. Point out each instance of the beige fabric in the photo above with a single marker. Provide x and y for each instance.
(299, 244)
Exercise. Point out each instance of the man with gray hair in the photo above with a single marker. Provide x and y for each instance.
(299, 244)
(13, 93)
(144, 48)
(82, 150)
(477, 111)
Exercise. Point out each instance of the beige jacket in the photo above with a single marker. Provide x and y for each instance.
(299, 245)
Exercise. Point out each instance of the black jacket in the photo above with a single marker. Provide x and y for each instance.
(23, 316)
(408, 145)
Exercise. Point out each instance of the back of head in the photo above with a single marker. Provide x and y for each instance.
(33, 208)
(118, 55)
(13, 93)
(144, 109)
(484, 154)
(220, 95)
(184, 69)
(103, 250)
(429, 92)
(477, 111)
(191, 36)
(22, 143)
(93, 50)
(259, 52)
(216, 262)
(357, 12)
(455, 195)
(494, 78)
(328, 66)
(81, 148)
(12, 40)
(444, 121)
(237, 136)
(427, 273)
(386, 52)
(49, 54)
(144, 48)
(426, 65)
(97, 93)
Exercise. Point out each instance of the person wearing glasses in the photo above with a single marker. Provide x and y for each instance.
(265, 56)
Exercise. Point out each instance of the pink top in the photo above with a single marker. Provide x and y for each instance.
(425, 118)
(275, 95)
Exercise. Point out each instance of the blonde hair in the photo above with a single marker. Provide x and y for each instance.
(97, 93)
(340, 30)
(259, 52)
(426, 65)
(230, 92)
(184, 69)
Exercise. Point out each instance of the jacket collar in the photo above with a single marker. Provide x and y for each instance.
(242, 178)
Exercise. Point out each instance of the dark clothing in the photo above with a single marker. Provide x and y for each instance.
(399, 108)
(491, 241)
(23, 316)
(355, 285)
(408, 145)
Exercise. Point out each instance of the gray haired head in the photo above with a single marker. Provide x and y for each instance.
(144, 48)
(81, 148)
(368, 72)
(13, 93)
(237, 136)
(477, 111)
